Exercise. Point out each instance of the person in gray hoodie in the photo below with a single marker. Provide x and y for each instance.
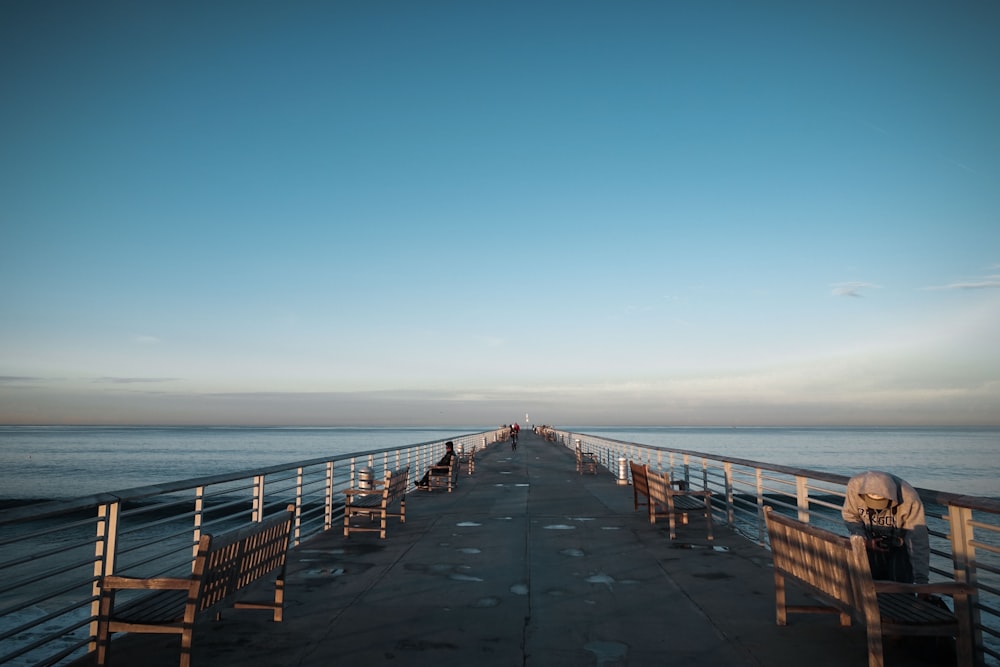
(889, 514)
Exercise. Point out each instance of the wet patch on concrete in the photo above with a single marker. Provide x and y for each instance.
(352, 549)
(575, 553)
(581, 518)
(423, 645)
(469, 550)
(712, 576)
(468, 524)
(323, 573)
(560, 526)
(601, 579)
(485, 603)
(448, 570)
(611, 527)
(608, 653)
(707, 547)
(519, 589)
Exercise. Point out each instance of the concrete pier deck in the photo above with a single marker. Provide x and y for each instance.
(526, 563)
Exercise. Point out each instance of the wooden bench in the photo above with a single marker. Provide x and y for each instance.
(468, 459)
(375, 502)
(663, 500)
(586, 462)
(442, 476)
(224, 565)
(835, 570)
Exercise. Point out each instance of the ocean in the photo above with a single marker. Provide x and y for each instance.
(63, 462)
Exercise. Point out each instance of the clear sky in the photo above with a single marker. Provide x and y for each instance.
(456, 213)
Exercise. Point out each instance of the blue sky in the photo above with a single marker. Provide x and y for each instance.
(461, 212)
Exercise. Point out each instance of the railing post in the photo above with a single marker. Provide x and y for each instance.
(328, 500)
(105, 548)
(704, 483)
(297, 535)
(258, 499)
(199, 518)
(963, 554)
(760, 505)
(727, 469)
(802, 498)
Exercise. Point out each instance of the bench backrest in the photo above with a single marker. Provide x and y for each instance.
(815, 557)
(640, 477)
(231, 561)
(395, 485)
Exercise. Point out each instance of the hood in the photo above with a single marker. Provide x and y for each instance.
(881, 484)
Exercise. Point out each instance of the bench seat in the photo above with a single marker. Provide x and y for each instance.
(668, 498)
(835, 571)
(442, 477)
(223, 567)
(377, 502)
(586, 462)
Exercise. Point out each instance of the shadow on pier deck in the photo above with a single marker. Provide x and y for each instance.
(526, 563)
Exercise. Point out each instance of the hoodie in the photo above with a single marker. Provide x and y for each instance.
(903, 518)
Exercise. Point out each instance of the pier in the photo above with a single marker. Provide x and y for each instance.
(527, 562)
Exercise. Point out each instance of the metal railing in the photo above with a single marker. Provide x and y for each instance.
(54, 555)
(964, 530)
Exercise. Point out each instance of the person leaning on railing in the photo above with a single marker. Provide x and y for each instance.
(888, 513)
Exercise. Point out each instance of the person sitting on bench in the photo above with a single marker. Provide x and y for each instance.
(446, 460)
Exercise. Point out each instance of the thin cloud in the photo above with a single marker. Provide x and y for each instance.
(986, 282)
(962, 166)
(146, 340)
(120, 380)
(852, 289)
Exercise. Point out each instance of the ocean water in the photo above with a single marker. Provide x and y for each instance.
(63, 462)
(57, 462)
(956, 460)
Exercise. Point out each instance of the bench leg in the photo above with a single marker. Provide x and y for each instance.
(104, 628)
(672, 518)
(708, 518)
(187, 635)
(781, 615)
(279, 599)
(875, 658)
